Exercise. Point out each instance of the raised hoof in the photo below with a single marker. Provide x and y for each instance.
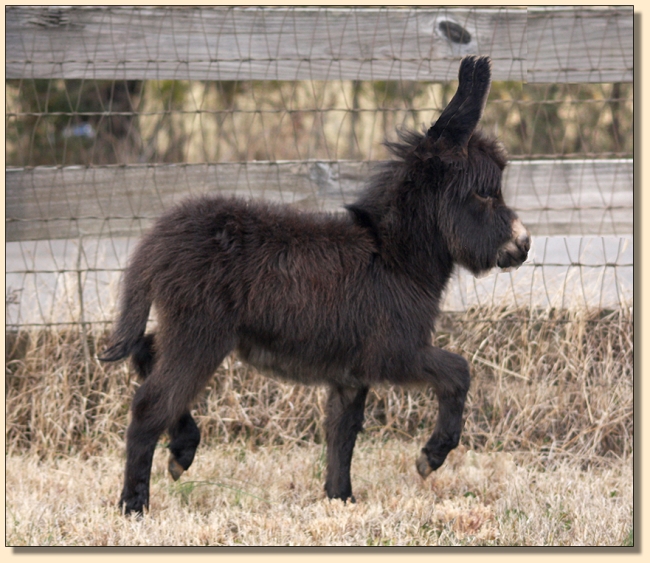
(175, 469)
(422, 465)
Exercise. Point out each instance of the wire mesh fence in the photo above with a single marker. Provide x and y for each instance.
(115, 113)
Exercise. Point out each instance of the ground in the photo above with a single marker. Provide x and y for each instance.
(262, 496)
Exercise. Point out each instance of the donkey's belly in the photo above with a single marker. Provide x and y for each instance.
(295, 369)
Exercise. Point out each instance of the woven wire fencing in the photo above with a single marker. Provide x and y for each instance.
(113, 114)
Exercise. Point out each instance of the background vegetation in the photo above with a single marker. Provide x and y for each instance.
(93, 122)
(557, 383)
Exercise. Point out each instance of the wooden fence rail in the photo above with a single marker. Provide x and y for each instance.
(319, 43)
(552, 197)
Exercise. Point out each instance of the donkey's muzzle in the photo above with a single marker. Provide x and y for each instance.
(514, 253)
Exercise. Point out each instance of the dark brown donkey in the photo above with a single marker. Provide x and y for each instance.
(346, 301)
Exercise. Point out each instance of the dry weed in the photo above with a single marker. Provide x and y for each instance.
(555, 382)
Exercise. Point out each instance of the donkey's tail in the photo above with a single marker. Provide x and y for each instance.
(128, 336)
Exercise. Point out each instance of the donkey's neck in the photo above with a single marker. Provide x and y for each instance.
(424, 258)
(402, 218)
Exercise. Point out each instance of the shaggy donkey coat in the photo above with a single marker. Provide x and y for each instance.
(347, 301)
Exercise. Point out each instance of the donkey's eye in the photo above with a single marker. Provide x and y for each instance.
(488, 193)
(485, 195)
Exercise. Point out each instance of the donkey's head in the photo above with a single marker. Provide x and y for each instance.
(480, 231)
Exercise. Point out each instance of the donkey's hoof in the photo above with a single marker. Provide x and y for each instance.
(133, 506)
(175, 469)
(346, 500)
(422, 465)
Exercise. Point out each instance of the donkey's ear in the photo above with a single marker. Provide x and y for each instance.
(459, 119)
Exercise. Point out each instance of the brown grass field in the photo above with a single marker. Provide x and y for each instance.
(546, 456)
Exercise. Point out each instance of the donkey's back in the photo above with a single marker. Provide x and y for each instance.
(302, 296)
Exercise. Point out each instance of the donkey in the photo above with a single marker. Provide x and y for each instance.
(348, 301)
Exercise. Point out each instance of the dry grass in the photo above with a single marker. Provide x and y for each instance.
(557, 383)
(548, 441)
(237, 495)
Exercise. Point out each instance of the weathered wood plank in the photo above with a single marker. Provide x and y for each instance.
(323, 43)
(241, 43)
(552, 197)
(576, 44)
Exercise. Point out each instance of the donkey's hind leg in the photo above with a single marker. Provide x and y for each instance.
(184, 433)
(344, 420)
(449, 375)
(181, 370)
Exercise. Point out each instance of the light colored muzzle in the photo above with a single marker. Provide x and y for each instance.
(514, 252)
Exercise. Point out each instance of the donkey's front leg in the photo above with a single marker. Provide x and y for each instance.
(344, 420)
(449, 375)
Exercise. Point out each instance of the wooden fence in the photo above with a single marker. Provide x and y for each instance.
(572, 197)
(534, 45)
(531, 45)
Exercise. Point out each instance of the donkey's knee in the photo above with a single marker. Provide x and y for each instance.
(464, 378)
(452, 377)
(147, 408)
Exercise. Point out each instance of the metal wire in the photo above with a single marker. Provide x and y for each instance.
(292, 104)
